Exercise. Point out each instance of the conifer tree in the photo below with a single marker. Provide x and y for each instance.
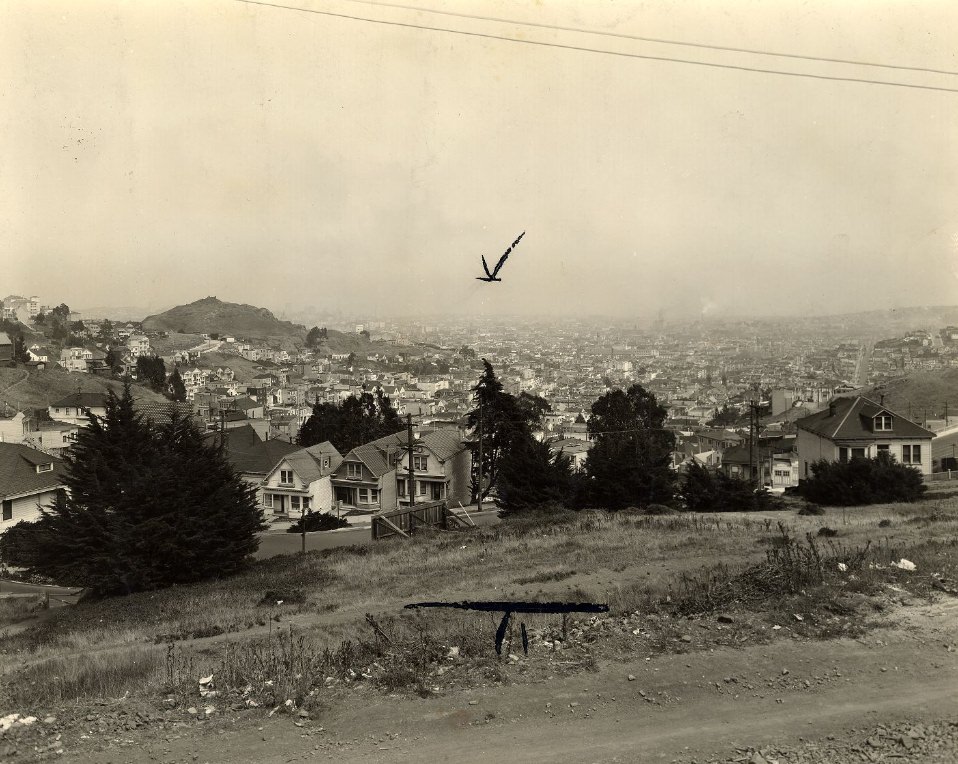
(176, 386)
(530, 477)
(148, 505)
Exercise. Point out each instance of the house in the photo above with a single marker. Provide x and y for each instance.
(859, 427)
(29, 479)
(251, 456)
(301, 481)
(375, 476)
(577, 451)
(138, 344)
(52, 437)
(74, 408)
(13, 426)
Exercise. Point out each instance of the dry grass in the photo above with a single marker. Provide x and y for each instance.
(688, 563)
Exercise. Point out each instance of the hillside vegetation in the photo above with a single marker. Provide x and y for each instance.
(23, 388)
(215, 316)
(923, 391)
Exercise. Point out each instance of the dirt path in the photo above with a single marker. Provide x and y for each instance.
(684, 707)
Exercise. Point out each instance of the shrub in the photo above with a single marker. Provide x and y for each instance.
(862, 481)
(704, 491)
(318, 521)
(812, 509)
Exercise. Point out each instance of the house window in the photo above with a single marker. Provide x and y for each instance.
(420, 488)
(364, 496)
(305, 503)
(354, 470)
(268, 500)
(842, 454)
(858, 453)
(294, 503)
(402, 487)
(48, 467)
(7, 509)
(911, 454)
(419, 463)
(373, 495)
(285, 477)
(437, 491)
(883, 422)
(326, 463)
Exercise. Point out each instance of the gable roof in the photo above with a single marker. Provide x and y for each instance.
(852, 420)
(307, 463)
(443, 443)
(18, 470)
(248, 453)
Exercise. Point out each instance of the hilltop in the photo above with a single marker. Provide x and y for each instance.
(30, 388)
(211, 315)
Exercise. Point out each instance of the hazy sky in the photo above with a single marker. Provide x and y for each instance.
(157, 152)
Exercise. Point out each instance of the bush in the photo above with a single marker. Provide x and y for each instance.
(862, 481)
(812, 509)
(704, 491)
(318, 521)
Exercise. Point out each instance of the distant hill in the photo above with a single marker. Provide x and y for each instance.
(345, 342)
(920, 392)
(22, 388)
(211, 315)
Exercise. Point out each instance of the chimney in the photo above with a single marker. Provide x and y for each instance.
(831, 408)
(881, 399)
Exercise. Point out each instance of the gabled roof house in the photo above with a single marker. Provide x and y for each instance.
(859, 427)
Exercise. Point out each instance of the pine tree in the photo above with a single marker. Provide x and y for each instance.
(148, 505)
(355, 421)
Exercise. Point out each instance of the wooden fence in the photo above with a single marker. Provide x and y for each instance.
(404, 521)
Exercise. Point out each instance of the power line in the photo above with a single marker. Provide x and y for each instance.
(660, 40)
(583, 49)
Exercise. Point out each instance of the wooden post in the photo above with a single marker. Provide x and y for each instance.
(411, 488)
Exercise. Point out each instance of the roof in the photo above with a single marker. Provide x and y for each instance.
(4, 339)
(444, 443)
(852, 420)
(82, 400)
(307, 463)
(249, 453)
(18, 470)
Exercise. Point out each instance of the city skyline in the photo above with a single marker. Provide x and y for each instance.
(289, 160)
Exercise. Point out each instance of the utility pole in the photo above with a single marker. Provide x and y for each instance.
(479, 471)
(412, 477)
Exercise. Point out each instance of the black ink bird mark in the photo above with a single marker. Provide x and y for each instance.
(508, 608)
(493, 276)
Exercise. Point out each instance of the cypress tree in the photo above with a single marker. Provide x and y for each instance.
(148, 505)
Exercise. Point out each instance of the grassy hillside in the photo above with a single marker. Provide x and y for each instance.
(22, 388)
(921, 390)
(244, 369)
(215, 316)
(175, 342)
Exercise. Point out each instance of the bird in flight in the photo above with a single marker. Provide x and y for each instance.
(493, 276)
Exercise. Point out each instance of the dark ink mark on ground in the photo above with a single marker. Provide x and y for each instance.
(493, 276)
(508, 608)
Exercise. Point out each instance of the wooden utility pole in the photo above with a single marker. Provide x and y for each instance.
(479, 471)
(412, 478)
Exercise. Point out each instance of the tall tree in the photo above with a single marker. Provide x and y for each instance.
(148, 505)
(355, 421)
(177, 389)
(20, 354)
(530, 477)
(151, 369)
(504, 421)
(630, 461)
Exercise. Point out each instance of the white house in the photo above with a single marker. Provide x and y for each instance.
(29, 479)
(859, 427)
(300, 481)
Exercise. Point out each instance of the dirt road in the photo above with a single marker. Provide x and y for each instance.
(696, 706)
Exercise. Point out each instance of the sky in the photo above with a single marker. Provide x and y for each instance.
(156, 152)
